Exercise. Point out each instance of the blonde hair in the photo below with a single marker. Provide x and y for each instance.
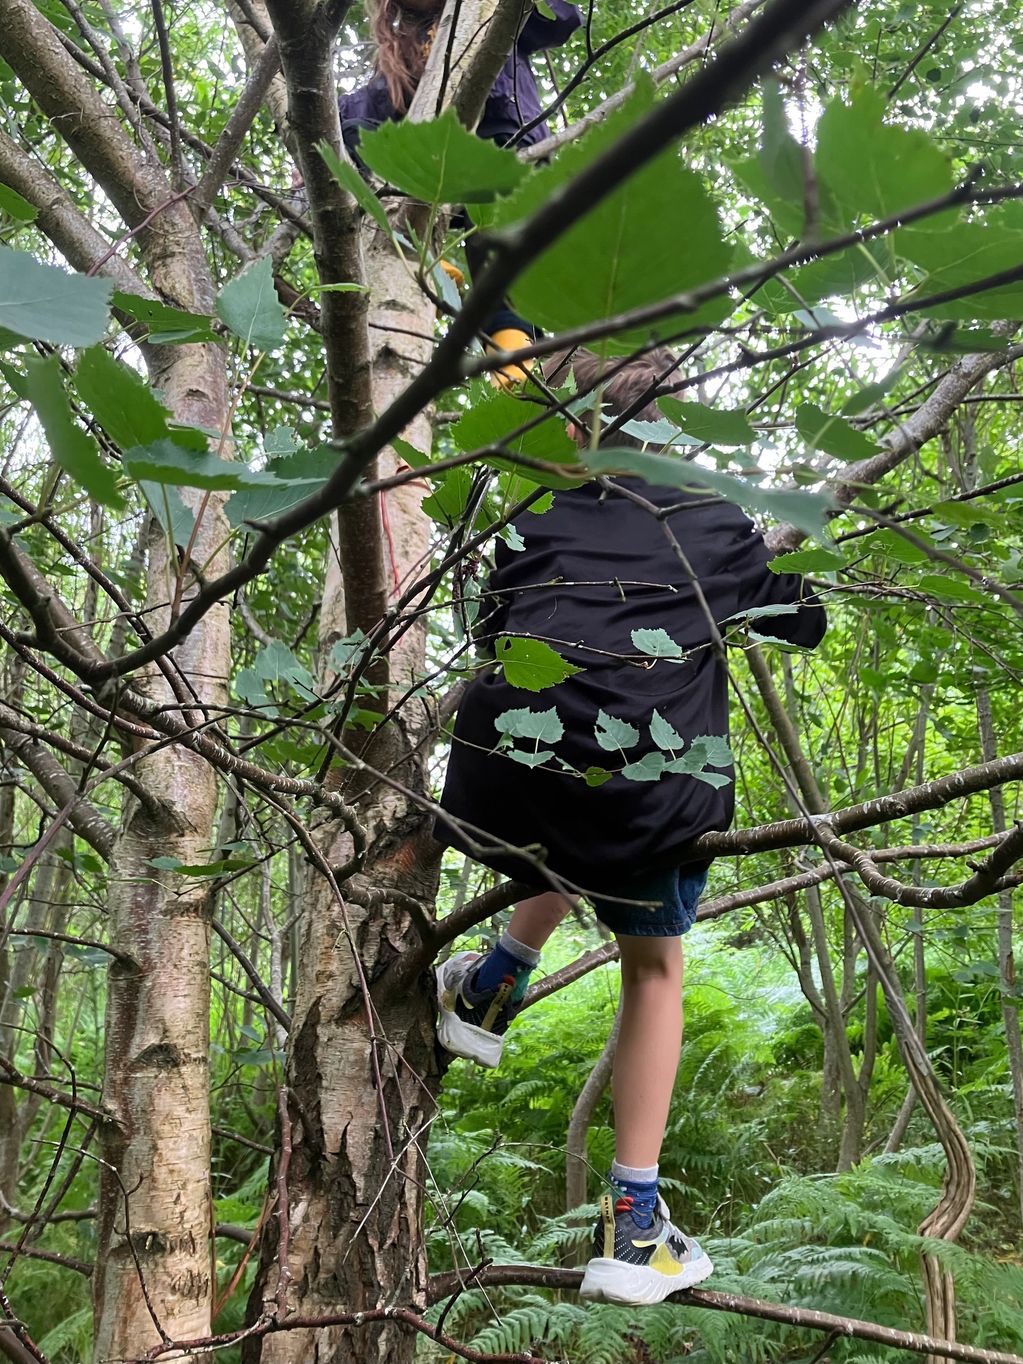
(628, 383)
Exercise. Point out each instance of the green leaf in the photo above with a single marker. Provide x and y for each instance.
(718, 426)
(74, 450)
(543, 725)
(16, 207)
(832, 434)
(924, 670)
(625, 252)
(713, 749)
(807, 561)
(777, 174)
(250, 691)
(530, 759)
(47, 304)
(488, 423)
(953, 589)
(871, 168)
(167, 326)
(168, 506)
(448, 501)
(249, 306)
(868, 395)
(531, 664)
(120, 399)
(708, 750)
(760, 612)
(613, 734)
(664, 734)
(441, 162)
(124, 404)
(596, 776)
(955, 254)
(345, 650)
(803, 509)
(897, 547)
(282, 440)
(349, 178)
(649, 768)
(276, 663)
(657, 643)
(258, 504)
(164, 461)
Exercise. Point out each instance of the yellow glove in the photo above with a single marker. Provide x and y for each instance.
(453, 272)
(510, 376)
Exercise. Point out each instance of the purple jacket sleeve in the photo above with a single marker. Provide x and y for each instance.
(539, 32)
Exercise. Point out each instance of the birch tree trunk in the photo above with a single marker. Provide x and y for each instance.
(154, 1199)
(154, 1202)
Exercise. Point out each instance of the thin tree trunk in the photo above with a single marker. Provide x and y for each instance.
(901, 1124)
(576, 1165)
(950, 1214)
(1006, 954)
(154, 1202)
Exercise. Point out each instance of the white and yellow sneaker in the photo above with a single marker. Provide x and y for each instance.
(634, 1265)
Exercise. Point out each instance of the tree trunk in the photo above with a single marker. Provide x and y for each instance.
(576, 1164)
(1006, 954)
(361, 1083)
(154, 1205)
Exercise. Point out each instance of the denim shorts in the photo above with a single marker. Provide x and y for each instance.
(670, 910)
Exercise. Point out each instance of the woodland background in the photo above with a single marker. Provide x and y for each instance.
(234, 628)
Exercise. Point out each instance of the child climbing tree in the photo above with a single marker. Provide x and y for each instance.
(254, 472)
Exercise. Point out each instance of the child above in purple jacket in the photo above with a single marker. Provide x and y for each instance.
(403, 30)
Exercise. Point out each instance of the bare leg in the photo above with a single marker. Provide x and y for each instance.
(533, 921)
(649, 1045)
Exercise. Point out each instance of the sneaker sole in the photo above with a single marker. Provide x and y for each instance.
(636, 1285)
(461, 1038)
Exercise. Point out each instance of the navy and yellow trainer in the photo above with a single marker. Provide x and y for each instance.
(634, 1265)
(473, 1024)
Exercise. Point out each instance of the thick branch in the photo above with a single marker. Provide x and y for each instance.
(242, 117)
(930, 418)
(443, 1285)
(789, 833)
(62, 220)
(84, 818)
(471, 45)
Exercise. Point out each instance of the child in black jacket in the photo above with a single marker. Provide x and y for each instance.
(530, 773)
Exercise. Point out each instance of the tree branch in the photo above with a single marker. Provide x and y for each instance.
(84, 818)
(242, 116)
(541, 150)
(442, 1285)
(930, 418)
(61, 219)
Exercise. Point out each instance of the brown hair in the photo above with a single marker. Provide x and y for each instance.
(403, 36)
(631, 386)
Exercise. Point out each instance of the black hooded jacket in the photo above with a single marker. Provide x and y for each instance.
(596, 568)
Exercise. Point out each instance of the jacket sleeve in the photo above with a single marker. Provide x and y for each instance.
(539, 32)
(758, 587)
